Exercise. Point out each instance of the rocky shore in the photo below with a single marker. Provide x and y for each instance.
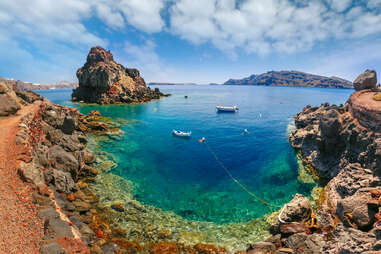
(103, 81)
(55, 161)
(341, 147)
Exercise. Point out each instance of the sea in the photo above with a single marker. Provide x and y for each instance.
(235, 176)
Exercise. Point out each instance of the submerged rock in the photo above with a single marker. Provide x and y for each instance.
(103, 81)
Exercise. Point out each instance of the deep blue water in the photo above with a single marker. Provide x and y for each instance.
(182, 175)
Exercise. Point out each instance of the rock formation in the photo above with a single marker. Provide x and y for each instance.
(11, 98)
(103, 81)
(367, 80)
(9, 103)
(341, 145)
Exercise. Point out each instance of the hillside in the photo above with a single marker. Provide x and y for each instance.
(292, 79)
(32, 86)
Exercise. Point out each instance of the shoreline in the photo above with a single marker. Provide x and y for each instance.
(83, 209)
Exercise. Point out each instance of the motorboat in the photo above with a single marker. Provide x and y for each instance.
(181, 133)
(232, 109)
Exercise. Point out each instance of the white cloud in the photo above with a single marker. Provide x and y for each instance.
(374, 3)
(42, 34)
(109, 14)
(340, 5)
(143, 14)
(263, 27)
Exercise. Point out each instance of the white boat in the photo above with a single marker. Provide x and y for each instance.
(181, 133)
(226, 109)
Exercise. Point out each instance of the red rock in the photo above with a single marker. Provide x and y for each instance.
(70, 197)
(164, 248)
(293, 228)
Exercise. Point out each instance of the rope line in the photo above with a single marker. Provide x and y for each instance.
(234, 179)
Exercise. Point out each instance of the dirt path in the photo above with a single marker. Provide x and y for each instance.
(20, 229)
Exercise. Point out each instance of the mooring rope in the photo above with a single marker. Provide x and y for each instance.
(235, 180)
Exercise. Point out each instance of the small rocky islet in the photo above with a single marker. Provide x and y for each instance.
(339, 145)
(103, 81)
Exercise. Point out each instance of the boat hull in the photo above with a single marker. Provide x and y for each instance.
(222, 109)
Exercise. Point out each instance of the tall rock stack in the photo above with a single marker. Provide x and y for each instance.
(103, 81)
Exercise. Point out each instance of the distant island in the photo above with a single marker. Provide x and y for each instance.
(170, 84)
(291, 79)
(33, 86)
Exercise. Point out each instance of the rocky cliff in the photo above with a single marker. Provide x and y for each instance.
(32, 86)
(292, 79)
(12, 98)
(341, 146)
(103, 81)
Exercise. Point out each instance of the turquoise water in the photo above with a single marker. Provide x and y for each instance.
(181, 175)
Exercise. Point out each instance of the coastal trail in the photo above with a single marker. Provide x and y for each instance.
(21, 229)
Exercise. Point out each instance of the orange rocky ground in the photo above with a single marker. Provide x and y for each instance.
(366, 109)
(21, 229)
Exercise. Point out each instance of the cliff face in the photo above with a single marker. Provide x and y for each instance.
(342, 147)
(292, 79)
(31, 86)
(103, 81)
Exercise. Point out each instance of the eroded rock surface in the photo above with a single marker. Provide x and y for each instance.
(103, 81)
(341, 145)
(367, 80)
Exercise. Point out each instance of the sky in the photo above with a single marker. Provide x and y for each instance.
(200, 41)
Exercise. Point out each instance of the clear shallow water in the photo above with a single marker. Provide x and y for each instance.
(180, 175)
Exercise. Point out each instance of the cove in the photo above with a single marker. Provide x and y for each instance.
(180, 175)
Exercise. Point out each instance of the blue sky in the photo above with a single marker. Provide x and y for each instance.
(202, 41)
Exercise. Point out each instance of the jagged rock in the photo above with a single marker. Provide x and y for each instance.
(88, 157)
(297, 210)
(55, 227)
(9, 103)
(103, 81)
(354, 210)
(63, 160)
(28, 96)
(293, 228)
(68, 125)
(62, 181)
(32, 173)
(366, 80)
(303, 243)
(261, 248)
(342, 146)
(338, 137)
(52, 248)
(349, 240)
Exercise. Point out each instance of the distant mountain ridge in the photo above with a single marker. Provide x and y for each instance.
(33, 86)
(291, 79)
(170, 84)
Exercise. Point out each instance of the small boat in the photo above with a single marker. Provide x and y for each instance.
(226, 109)
(181, 133)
